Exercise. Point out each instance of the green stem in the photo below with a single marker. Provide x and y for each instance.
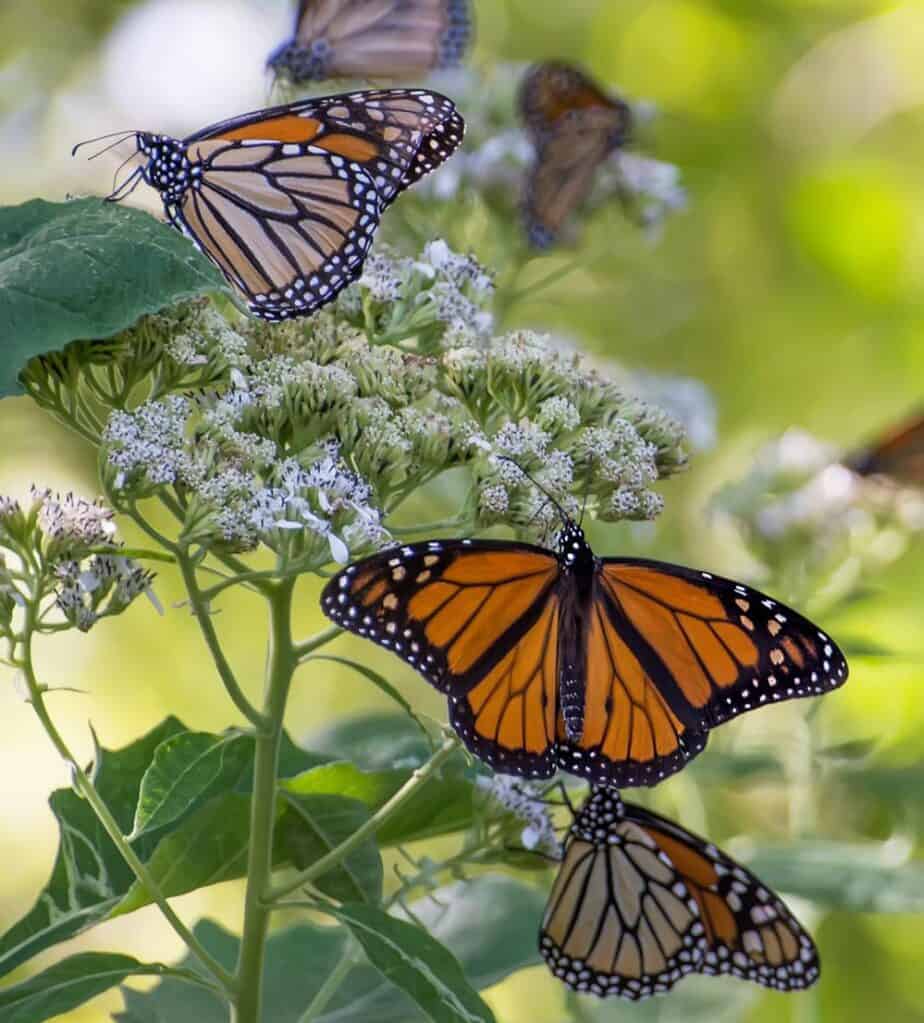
(200, 608)
(281, 665)
(417, 780)
(330, 986)
(86, 789)
(308, 646)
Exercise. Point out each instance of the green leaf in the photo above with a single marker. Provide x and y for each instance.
(313, 826)
(849, 751)
(86, 269)
(208, 847)
(380, 683)
(186, 772)
(858, 646)
(70, 983)
(374, 741)
(864, 877)
(89, 875)
(415, 962)
(442, 806)
(489, 925)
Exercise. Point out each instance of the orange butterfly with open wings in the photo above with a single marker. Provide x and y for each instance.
(610, 668)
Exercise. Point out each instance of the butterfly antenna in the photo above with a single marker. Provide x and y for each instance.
(565, 517)
(122, 137)
(590, 472)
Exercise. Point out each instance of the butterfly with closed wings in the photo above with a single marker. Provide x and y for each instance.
(640, 902)
(611, 668)
(574, 126)
(285, 201)
(394, 39)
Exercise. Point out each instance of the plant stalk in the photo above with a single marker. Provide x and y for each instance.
(88, 791)
(281, 664)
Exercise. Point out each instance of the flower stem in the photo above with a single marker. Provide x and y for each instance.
(200, 608)
(281, 665)
(308, 646)
(88, 791)
(320, 867)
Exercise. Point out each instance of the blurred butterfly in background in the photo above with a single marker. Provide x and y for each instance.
(374, 39)
(574, 126)
(640, 902)
(285, 201)
(611, 668)
(898, 454)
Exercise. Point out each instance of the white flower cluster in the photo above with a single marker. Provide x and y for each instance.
(51, 549)
(524, 800)
(805, 513)
(397, 299)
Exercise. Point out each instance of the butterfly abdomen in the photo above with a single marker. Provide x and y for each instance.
(579, 567)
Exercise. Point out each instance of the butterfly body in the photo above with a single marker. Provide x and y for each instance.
(611, 668)
(640, 902)
(286, 201)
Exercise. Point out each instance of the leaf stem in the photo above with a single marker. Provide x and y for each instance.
(332, 984)
(417, 780)
(304, 649)
(200, 608)
(281, 666)
(88, 791)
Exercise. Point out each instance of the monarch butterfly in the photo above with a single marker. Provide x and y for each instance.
(899, 454)
(285, 201)
(574, 126)
(374, 38)
(639, 902)
(611, 668)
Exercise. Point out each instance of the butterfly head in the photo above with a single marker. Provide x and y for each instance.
(167, 168)
(573, 549)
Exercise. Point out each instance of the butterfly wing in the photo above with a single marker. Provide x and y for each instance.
(632, 734)
(376, 38)
(899, 454)
(562, 174)
(750, 932)
(286, 201)
(619, 920)
(552, 90)
(479, 620)
(712, 647)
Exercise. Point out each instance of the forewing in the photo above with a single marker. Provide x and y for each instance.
(750, 932)
(713, 647)
(631, 734)
(386, 38)
(619, 920)
(453, 609)
(551, 90)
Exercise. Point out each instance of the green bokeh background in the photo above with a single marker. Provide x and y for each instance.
(792, 287)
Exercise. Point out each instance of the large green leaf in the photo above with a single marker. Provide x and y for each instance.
(440, 807)
(85, 269)
(489, 925)
(418, 964)
(863, 877)
(200, 841)
(72, 982)
(374, 741)
(89, 875)
(313, 825)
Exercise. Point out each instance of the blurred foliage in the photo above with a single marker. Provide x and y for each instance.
(791, 287)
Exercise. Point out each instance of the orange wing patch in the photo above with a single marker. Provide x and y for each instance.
(624, 716)
(514, 705)
(289, 128)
